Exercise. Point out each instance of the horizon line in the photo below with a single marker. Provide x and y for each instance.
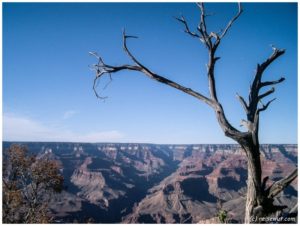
(152, 143)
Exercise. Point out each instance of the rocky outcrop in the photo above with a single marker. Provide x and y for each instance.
(92, 185)
(173, 203)
(190, 194)
(228, 177)
(65, 203)
(149, 183)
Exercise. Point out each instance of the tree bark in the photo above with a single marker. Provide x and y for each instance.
(254, 193)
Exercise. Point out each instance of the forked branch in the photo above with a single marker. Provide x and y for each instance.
(101, 69)
(187, 29)
(218, 37)
(240, 10)
(252, 109)
(203, 34)
(202, 27)
(265, 106)
(267, 205)
(280, 185)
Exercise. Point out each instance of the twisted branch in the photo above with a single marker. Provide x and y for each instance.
(101, 69)
(265, 106)
(240, 10)
(187, 29)
(267, 207)
(280, 185)
(254, 96)
(243, 103)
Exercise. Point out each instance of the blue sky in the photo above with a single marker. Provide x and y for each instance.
(47, 85)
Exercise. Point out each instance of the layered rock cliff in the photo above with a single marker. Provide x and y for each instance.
(148, 183)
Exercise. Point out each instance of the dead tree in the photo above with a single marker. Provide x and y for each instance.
(259, 198)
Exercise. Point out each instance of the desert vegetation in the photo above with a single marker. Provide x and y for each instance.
(28, 183)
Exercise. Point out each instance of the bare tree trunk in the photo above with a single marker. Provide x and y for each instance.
(254, 193)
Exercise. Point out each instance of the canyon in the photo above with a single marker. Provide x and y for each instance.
(152, 183)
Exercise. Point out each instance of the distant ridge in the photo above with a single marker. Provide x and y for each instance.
(154, 183)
